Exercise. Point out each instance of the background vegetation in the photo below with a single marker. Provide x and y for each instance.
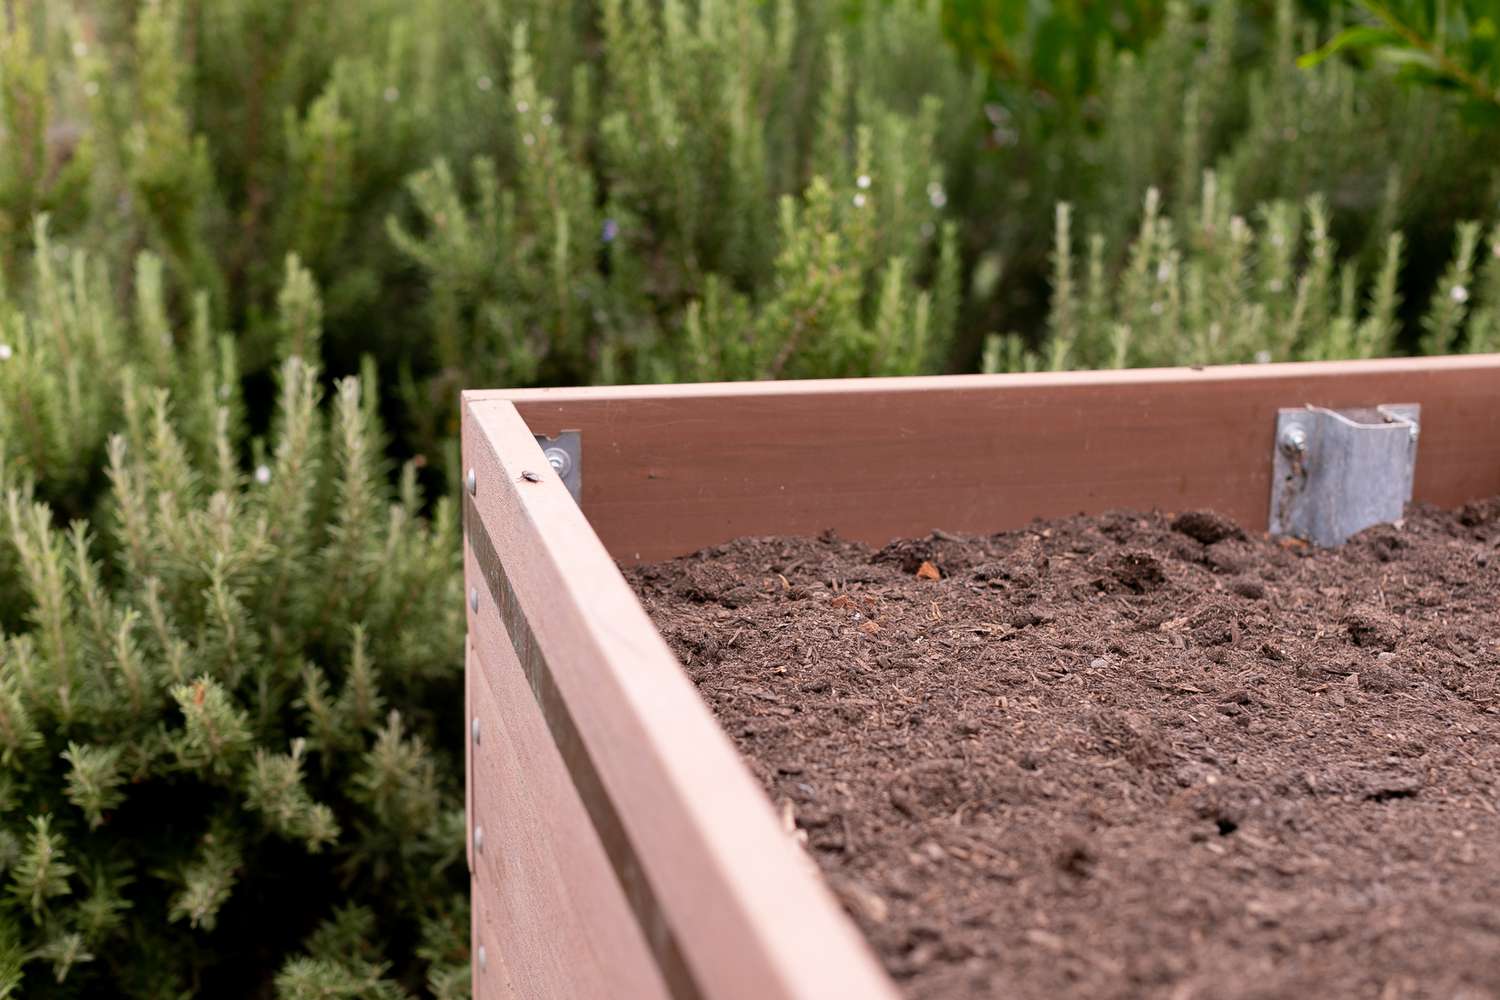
(231, 655)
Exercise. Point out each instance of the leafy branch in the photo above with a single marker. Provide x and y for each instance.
(1431, 42)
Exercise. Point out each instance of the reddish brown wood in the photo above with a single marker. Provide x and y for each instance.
(470, 678)
(728, 907)
(490, 979)
(669, 469)
(542, 869)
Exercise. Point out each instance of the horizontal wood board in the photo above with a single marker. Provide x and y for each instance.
(670, 469)
(727, 905)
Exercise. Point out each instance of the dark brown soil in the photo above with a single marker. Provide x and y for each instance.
(1128, 755)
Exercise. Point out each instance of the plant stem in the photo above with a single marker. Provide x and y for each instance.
(1477, 86)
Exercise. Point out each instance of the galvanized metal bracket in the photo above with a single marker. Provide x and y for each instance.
(565, 454)
(1337, 472)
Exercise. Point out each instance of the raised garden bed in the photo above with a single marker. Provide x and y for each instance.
(619, 843)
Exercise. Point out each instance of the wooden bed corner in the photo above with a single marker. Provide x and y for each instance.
(619, 846)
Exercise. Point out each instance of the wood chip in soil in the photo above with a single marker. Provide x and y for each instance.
(1132, 755)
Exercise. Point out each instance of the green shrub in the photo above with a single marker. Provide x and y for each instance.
(740, 190)
(510, 192)
(221, 684)
(1221, 288)
(612, 190)
(1222, 90)
(1450, 45)
(1053, 48)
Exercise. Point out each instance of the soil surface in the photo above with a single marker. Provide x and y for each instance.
(1128, 756)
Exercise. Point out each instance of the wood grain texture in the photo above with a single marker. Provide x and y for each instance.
(541, 866)
(712, 881)
(470, 678)
(493, 981)
(670, 469)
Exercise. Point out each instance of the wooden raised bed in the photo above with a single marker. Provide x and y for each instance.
(618, 845)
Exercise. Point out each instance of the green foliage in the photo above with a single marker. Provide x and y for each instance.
(1054, 48)
(1219, 89)
(732, 191)
(196, 747)
(1221, 288)
(1445, 44)
(498, 193)
(613, 190)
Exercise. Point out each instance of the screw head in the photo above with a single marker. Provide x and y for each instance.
(479, 839)
(471, 482)
(484, 959)
(474, 728)
(1294, 440)
(559, 459)
(474, 599)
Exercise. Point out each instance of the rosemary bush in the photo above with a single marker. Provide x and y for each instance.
(1219, 89)
(528, 192)
(1223, 288)
(508, 192)
(225, 673)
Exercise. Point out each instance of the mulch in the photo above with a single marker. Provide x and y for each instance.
(1132, 755)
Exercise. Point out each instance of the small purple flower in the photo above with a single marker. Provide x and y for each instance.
(610, 230)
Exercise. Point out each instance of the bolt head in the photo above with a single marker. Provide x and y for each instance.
(479, 839)
(1294, 440)
(474, 599)
(471, 483)
(474, 728)
(559, 459)
(484, 959)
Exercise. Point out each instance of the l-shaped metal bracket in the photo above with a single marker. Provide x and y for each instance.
(565, 454)
(1336, 472)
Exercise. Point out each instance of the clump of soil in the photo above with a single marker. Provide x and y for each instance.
(1130, 755)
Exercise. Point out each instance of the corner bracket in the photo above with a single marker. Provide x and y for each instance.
(1336, 472)
(565, 454)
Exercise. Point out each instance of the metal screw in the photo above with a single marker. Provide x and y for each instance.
(479, 839)
(471, 481)
(484, 960)
(474, 599)
(474, 728)
(1415, 431)
(560, 460)
(1294, 440)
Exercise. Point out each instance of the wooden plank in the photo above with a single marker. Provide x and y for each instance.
(730, 908)
(469, 681)
(490, 980)
(670, 469)
(557, 916)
